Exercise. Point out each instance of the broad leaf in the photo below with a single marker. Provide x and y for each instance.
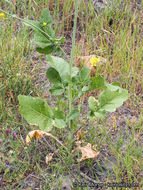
(73, 115)
(113, 87)
(33, 24)
(36, 111)
(46, 50)
(84, 74)
(53, 75)
(85, 88)
(109, 100)
(59, 123)
(57, 89)
(97, 83)
(100, 114)
(115, 83)
(61, 66)
(92, 102)
(75, 71)
(46, 17)
(59, 114)
(41, 40)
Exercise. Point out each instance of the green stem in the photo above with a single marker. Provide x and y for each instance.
(72, 58)
(23, 20)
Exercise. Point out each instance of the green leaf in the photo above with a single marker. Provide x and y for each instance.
(53, 75)
(112, 87)
(59, 114)
(115, 83)
(59, 123)
(73, 115)
(41, 40)
(48, 29)
(35, 25)
(109, 100)
(85, 88)
(36, 111)
(75, 71)
(100, 114)
(97, 83)
(46, 17)
(84, 74)
(92, 102)
(61, 66)
(57, 89)
(48, 125)
(46, 50)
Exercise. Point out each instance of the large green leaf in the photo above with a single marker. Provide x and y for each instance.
(109, 100)
(35, 25)
(41, 40)
(97, 83)
(84, 74)
(36, 111)
(46, 17)
(61, 66)
(59, 123)
(59, 114)
(53, 75)
(75, 71)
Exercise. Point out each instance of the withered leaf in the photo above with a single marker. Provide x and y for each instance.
(38, 134)
(49, 157)
(87, 152)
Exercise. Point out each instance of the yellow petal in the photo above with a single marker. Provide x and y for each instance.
(2, 15)
(44, 23)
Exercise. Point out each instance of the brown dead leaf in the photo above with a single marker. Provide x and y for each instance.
(87, 152)
(85, 60)
(79, 134)
(136, 137)
(38, 134)
(49, 157)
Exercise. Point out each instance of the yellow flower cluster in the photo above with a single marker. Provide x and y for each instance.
(2, 15)
(93, 61)
(44, 23)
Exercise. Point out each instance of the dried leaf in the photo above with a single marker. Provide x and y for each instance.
(136, 137)
(87, 152)
(49, 157)
(79, 134)
(38, 134)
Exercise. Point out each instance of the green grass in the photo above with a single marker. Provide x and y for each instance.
(120, 43)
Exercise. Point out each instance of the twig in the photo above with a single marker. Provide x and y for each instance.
(90, 179)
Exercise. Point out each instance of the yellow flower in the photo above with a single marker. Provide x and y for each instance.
(93, 61)
(44, 23)
(56, 108)
(2, 15)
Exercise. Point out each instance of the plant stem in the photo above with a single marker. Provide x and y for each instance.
(72, 58)
(26, 21)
